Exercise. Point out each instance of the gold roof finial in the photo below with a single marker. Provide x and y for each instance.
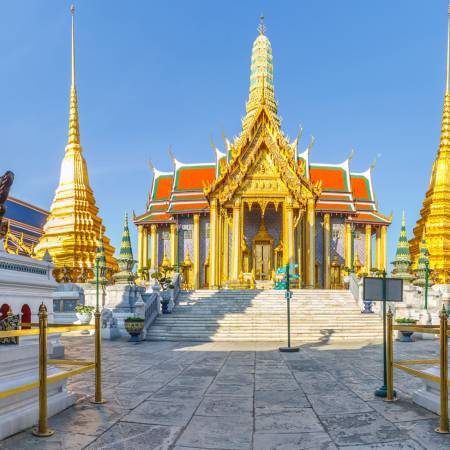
(447, 82)
(261, 26)
(74, 127)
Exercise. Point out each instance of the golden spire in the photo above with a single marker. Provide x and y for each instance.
(74, 127)
(433, 224)
(261, 78)
(73, 226)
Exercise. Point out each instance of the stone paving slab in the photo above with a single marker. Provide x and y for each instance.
(225, 396)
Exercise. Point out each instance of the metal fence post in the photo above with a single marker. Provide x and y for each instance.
(98, 360)
(390, 357)
(443, 422)
(42, 429)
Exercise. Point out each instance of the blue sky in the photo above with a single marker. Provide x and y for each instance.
(355, 74)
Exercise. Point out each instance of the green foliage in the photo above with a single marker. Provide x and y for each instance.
(406, 320)
(164, 277)
(134, 319)
(84, 309)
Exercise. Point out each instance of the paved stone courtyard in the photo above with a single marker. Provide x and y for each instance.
(182, 396)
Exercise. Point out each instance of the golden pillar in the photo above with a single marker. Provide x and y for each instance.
(368, 248)
(383, 247)
(310, 244)
(225, 247)
(196, 251)
(326, 251)
(236, 241)
(299, 247)
(153, 247)
(145, 247)
(173, 244)
(213, 244)
(287, 244)
(348, 245)
(140, 245)
(377, 246)
(290, 233)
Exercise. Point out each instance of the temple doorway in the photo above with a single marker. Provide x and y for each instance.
(263, 253)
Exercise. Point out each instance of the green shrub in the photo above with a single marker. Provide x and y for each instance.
(406, 320)
(134, 319)
(84, 309)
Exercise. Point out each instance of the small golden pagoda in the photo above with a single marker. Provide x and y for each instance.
(434, 222)
(73, 226)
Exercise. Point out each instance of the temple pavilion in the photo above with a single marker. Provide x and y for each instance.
(260, 205)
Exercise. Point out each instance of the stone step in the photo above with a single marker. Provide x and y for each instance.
(244, 315)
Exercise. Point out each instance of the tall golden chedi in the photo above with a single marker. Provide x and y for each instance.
(73, 226)
(434, 222)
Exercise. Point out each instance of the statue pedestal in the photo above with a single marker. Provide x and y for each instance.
(120, 302)
(429, 396)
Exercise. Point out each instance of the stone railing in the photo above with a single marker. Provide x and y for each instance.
(354, 287)
(149, 309)
(175, 292)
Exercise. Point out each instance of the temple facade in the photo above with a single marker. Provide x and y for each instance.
(261, 205)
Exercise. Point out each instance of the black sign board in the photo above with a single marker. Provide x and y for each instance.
(382, 289)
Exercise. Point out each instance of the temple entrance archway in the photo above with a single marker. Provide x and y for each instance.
(263, 253)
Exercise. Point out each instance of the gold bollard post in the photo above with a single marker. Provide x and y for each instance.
(98, 360)
(390, 396)
(42, 429)
(443, 421)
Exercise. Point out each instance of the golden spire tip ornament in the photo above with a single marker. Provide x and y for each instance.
(261, 26)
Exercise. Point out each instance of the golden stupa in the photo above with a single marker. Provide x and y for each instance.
(73, 226)
(434, 223)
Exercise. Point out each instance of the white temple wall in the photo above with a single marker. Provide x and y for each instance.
(163, 232)
(185, 237)
(337, 240)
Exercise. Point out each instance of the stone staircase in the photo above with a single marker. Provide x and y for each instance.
(260, 315)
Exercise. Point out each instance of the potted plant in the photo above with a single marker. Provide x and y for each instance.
(134, 326)
(84, 314)
(165, 281)
(405, 336)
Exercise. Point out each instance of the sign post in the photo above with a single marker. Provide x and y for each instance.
(288, 297)
(383, 290)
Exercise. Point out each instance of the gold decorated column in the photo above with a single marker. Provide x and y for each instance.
(348, 245)
(145, 246)
(378, 247)
(310, 244)
(368, 248)
(383, 247)
(153, 247)
(236, 241)
(299, 247)
(173, 244)
(290, 232)
(140, 245)
(196, 251)
(213, 241)
(326, 251)
(225, 247)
